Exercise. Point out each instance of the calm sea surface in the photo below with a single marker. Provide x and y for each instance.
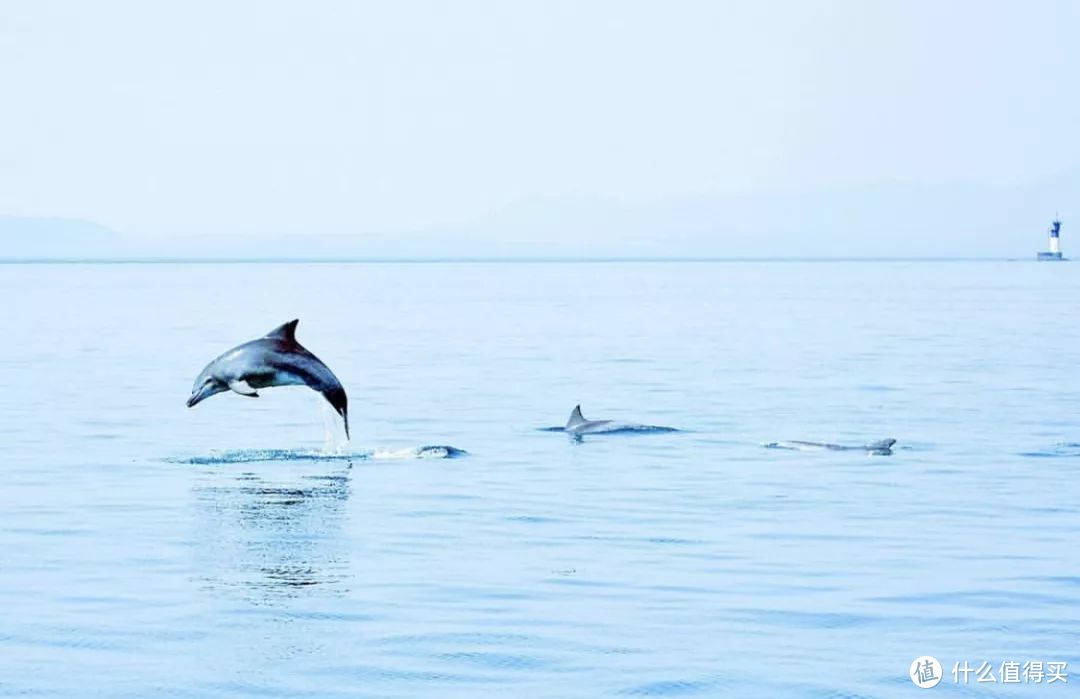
(149, 550)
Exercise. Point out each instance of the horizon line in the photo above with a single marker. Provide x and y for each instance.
(484, 260)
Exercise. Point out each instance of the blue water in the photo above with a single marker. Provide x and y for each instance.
(238, 549)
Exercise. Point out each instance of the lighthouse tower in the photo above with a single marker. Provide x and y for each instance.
(1054, 253)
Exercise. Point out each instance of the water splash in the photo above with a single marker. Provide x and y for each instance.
(438, 451)
(334, 439)
(244, 456)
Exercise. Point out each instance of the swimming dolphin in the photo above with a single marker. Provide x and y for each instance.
(578, 425)
(276, 359)
(881, 447)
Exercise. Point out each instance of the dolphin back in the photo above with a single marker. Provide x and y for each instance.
(883, 446)
(312, 371)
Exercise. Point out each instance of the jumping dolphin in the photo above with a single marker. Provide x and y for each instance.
(578, 425)
(880, 448)
(276, 359)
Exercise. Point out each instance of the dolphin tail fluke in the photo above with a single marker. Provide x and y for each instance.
(576, 418)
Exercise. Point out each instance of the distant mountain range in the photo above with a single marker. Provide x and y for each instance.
(888, 220)
(50, 238)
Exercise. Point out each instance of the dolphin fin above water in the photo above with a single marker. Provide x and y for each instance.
(276, 359)
(285, 334)
(578, 424)
(576, 418)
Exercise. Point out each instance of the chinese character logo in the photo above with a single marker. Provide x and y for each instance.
(925, 672)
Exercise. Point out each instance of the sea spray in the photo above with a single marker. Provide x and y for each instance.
(334, 440)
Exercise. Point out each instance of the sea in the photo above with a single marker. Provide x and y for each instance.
(243, 548)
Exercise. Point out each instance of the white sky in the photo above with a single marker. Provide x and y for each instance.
(271, 118)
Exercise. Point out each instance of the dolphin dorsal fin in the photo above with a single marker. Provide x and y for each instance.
(576, 418)
(286, 333)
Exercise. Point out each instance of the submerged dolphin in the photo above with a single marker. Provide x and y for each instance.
(276, 359)
(881, 447)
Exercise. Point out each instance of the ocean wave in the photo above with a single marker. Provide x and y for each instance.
(1066, 449)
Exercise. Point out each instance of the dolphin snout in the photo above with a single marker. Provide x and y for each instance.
(197, 396)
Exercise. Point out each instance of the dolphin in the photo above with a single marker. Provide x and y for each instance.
(275, 359)
(578, 425)
(881, 447)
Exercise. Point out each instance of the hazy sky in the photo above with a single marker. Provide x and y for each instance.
(349, 117)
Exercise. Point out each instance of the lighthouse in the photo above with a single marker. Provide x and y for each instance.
(1054, 253)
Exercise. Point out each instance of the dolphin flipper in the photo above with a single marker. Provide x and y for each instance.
(243, 388)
